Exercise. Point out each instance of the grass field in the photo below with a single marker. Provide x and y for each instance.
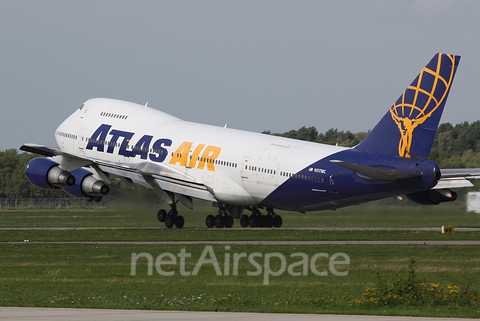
(385, 213)
(100, 275)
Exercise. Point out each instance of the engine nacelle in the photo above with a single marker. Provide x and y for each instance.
(86, 186)
(46, 174)
(433, 196)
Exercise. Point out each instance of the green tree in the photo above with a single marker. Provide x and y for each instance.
(453, 147)
(14, 183)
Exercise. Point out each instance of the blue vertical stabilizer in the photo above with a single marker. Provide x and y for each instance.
(409, 126)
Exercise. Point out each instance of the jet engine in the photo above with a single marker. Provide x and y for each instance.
(433, 196)
(87, 186)
(46, 174)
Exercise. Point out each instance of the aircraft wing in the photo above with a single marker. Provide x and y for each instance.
(41, 150)
(162, 178)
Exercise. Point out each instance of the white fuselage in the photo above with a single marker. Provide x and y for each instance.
(241, 168)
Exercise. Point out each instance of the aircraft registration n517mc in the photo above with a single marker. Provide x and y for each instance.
(108, 139)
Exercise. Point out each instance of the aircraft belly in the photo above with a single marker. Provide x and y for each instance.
(228, 191)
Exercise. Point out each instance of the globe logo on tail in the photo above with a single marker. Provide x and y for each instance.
(421, 99)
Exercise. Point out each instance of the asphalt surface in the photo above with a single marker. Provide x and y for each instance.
(363, 242)
(325, 229)
(417, 242)
(51, 314)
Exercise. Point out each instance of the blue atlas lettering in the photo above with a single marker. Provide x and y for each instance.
(142, 147)
(99, 137)
(126, 139)
(117, 134)
(161, 152)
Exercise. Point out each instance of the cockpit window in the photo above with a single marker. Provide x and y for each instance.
(82, 107)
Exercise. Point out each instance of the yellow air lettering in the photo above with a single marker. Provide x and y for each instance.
(209, 155)
(181, 154)
(196, 152)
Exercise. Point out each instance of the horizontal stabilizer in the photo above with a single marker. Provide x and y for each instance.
(457, 177)
(468, 173)
(457, 182)
(375, 172)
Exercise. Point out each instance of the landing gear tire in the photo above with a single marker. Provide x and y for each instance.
(179, 221)
(244, 221)
(210, 221)
(161, 215)
(277, 221)
(228, 221)
(264, 221)
(169, 221)
(253, 221)
(219, 221)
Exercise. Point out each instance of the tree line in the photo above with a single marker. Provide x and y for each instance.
(454, 147)
(14, 183)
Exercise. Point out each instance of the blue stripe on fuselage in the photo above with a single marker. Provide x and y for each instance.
(326, 185)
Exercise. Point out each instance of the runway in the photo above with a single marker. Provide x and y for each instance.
(320, 229)
(415, 242)
(52, 314)
(325, 229)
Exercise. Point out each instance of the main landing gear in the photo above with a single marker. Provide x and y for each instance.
(259, 220)
(222, 219)
(171, 218)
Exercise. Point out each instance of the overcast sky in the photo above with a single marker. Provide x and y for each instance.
(256, 65)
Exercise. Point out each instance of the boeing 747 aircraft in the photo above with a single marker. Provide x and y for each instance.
(241, 172)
